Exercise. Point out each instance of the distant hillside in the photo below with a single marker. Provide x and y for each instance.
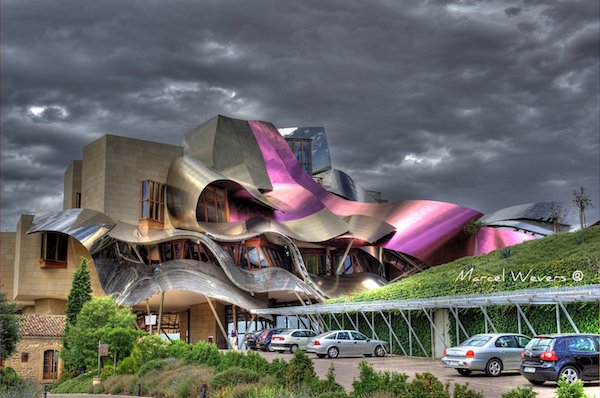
(552, 261)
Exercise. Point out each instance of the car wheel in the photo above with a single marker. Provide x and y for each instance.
(321, 355)
(570, 374)
(333, 352)
(493, 367)
(536, 382)
(379, 351)
(464, 372)
(293, 348)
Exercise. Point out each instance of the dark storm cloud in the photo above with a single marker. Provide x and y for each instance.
(482, 103)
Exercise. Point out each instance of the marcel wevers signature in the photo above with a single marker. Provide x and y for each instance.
(518, 276)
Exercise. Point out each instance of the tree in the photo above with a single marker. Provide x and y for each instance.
(556, 216)
(472, 229)
(582, 201)
(100, 319)
(10, 322)
(81, 292)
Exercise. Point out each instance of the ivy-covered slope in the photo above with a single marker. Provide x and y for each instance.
(553, 261)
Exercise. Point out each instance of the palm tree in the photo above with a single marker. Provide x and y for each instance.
(472, 229)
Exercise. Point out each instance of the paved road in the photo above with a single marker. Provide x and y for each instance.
(346, 369)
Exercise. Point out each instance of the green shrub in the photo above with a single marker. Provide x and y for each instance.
(278, 369)
(128, 365)
(240, 359)
(151, 347)
(520, 392)
(570, 390)
(300, 371)
(371, 381)
(11, 385)
(463, 391)
(179, 349)
(79, 384)
(253, 391)
(233, 376)
(204, 353)
(506, 252)
(329, 385)
(339, 394)
(107, 371)
(153, 364)
(426, 385)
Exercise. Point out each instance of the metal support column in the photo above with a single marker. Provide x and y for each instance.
(413, 332)
(392, 333)
(557, 318)
(487, 319)
(568, 316)
(459, 325)
(212, 308)
(525, 319)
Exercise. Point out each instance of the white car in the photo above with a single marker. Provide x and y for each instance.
(291, 339)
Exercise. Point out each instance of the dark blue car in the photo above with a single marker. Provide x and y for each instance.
(570, 356)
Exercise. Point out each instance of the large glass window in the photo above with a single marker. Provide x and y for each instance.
(302, 148)
(54, 250)
(212, 205)
(152, 205)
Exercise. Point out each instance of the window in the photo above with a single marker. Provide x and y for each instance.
(580, 344)
(24, 357)
(78, 200)
(343, 336)
(153, 201)
(50, 365)
(212, 205)
(302, 149)
(54, 250)
(359, 336)
(506, 342)
(522, 341)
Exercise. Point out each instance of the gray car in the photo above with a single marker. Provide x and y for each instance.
(346, 343)
(491, 353)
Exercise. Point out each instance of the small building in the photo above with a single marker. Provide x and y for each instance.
(37, 355)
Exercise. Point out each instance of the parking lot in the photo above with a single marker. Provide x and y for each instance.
(346, 370)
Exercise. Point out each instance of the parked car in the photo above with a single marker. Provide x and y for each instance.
(251, 338)
(572, 356)
(491, 353)
(291, 339)
(345, 342)
(263, 341)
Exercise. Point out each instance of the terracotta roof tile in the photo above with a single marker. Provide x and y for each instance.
(43, 325)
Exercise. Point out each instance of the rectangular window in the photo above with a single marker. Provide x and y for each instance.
(152, 205)
(212, 205)
(53, 253)
(24, 357)
(302, 149)
(78, 200)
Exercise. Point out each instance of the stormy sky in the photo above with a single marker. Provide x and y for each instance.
(485, 104)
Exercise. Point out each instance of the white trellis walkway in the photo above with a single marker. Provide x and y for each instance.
(315, 314)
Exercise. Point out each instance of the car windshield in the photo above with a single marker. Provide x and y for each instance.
(539, 343)
(476, 341)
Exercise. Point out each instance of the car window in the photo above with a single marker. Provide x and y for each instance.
(310, 334)
(580, 344)
(298, 333)
(359, 336)
(522, 341)
(540, 343)
(506, 342)
(476, 341)
(343, 336)
(330, 337)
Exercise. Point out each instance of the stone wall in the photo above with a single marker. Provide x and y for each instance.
(7, 262)
(203, 324)
(34, 347)
(72, 185)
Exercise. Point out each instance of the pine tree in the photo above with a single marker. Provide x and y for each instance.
(81, 292)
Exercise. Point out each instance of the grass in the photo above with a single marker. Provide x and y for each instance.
(541, 263)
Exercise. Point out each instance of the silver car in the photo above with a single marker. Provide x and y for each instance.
(291, 339)
(491, 353)
(345, 342)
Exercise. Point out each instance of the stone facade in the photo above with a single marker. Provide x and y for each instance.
(7, 261)
(28, 359)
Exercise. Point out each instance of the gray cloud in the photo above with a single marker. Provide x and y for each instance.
(483, 103)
